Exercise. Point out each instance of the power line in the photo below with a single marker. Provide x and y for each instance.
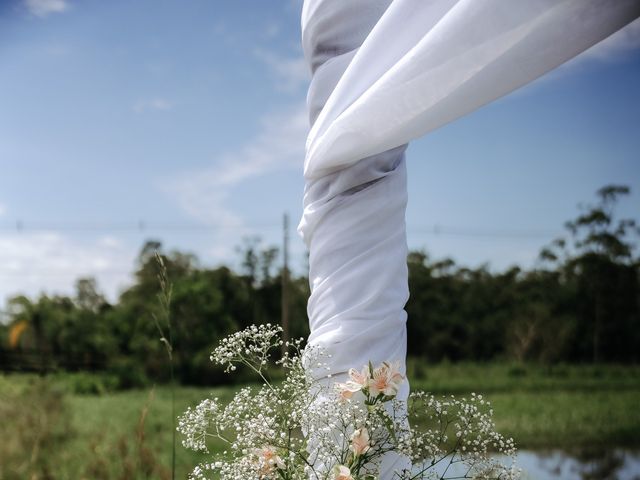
(149, 227)
(139, 226)
(471, 232)
(62, 273)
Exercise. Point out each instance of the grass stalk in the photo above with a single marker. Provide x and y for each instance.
(164, 299)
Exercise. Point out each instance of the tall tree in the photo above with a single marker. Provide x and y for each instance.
(598, 258)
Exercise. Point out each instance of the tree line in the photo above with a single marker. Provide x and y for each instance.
(581, 303)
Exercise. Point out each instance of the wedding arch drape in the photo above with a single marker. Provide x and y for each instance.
(383, 73)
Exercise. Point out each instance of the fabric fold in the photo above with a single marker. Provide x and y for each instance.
(386, 72)
(425, 64)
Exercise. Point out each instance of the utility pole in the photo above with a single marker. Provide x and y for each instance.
(285, 281)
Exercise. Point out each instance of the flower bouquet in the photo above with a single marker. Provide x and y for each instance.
(305, 428)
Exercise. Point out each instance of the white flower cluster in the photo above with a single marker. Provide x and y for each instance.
(250, 346)
(301, 429)
(473, 436)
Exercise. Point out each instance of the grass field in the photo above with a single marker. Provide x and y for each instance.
(565, 406)
(59, 435)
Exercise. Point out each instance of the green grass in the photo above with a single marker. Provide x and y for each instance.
(569, 419)
(102, 438)
(563, 406)
(499, 377)
(111, 416)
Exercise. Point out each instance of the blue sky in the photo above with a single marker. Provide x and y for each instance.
(188, 116)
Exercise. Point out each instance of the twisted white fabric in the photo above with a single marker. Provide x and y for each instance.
(385, 72)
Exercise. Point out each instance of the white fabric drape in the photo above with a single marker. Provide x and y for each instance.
(385, 72)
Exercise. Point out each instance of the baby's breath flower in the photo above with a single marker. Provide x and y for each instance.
(303, 428)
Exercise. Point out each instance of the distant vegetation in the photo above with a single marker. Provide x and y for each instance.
(580, 304)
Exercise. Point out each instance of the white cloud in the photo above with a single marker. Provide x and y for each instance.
(271, 30)
(280, 144)
(57, 50)
(205, 194)
(109, 241)
(231, 37)
(154, 104)
(42, 8)
(31, 263)
(289, 73)
(3, 209)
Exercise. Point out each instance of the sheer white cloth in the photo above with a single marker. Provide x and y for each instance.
(385, 72)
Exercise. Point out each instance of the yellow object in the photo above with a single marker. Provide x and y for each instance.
(16, 332)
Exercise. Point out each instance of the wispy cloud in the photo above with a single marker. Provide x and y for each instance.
(231, 37)
(3, 209)
(154, 104)
(271, 30)
(280, 144)
(289, 73)
(49, 262)
(205, 194)
(57, 49)
(42, 8)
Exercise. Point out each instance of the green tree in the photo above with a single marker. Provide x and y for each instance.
(598, 260)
